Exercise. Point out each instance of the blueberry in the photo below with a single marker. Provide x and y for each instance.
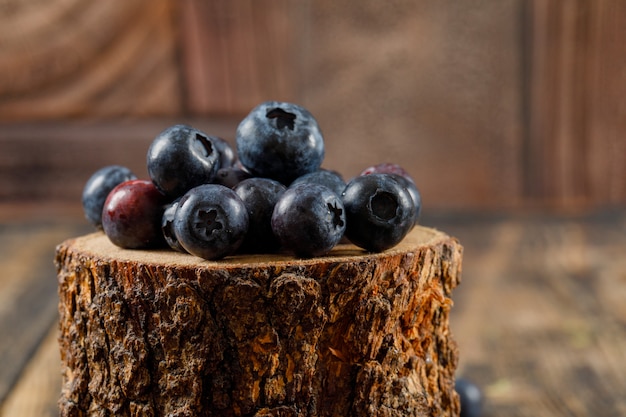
(281, 141)
(471, 397)
(182, 157)
(328, 178)
(403, 177)
(260, 195)
(309, 220)
(379, 211)
(416, 197)
(132, 213)
(98, 187)
(167, 227)
(231, 176)
(211, 221)
(225, 151)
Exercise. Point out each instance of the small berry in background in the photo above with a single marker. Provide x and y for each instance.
(98, 187)
(132, 214)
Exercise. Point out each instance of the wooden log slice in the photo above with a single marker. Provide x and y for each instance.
(159, 333)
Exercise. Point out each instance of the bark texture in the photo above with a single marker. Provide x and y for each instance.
(157, 333)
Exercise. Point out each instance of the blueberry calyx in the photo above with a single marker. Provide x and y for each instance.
(204, 144)
(337, 214)
(210, 221)
(283, 118)
(206, 222)
(384, 205)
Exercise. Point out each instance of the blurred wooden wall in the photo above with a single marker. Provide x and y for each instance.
(488, 103)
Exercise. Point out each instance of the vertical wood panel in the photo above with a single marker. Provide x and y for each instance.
(607, 107)
(237, 54)
(576, 128)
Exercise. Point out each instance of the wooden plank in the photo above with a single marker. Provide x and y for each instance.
(539, 315)
(38, 389)
(238, 54)
(575, 145)
(28, 293)
(607, 110)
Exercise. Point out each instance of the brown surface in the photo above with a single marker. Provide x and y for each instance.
(551, 342)
(487, 104)
(350, 333)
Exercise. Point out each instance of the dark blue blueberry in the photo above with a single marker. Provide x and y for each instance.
(167, 227)
(325, 177)
(415, 195)
(309, 220)
(471, 397)
(181, 158)
(404, 178)
(260, 195)
(226, 152)
(379, 211)
(98, 187)
(132, 214)
(281, 141)
(231, 176)
(211, 221)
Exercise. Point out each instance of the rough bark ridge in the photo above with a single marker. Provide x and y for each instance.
(350, 334)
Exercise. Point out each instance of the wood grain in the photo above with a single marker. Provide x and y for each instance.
(575, 145)
(236, 55)
(27, 296)
(538, 317)
(42, 376)
(518, 104)
(66, 58)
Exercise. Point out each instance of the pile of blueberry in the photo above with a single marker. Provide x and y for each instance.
(271, 195)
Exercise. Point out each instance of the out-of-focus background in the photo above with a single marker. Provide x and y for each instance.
(509, 114)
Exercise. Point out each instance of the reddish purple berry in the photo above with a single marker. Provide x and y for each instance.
(132, 214)
(387, 168)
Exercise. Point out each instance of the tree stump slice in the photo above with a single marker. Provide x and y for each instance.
(159, 333)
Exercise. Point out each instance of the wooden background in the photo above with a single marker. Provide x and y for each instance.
(488, 103)
(502, 110)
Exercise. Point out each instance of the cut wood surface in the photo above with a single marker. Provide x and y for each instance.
(348, 334)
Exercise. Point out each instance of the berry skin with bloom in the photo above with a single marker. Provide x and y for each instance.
(97, 189)
(260, 195)
(281, 141)
(379, 211)
(328, 178)
(211, 221)
(309, 220)
(182, 157)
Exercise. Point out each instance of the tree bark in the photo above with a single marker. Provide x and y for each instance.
(158, 333)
